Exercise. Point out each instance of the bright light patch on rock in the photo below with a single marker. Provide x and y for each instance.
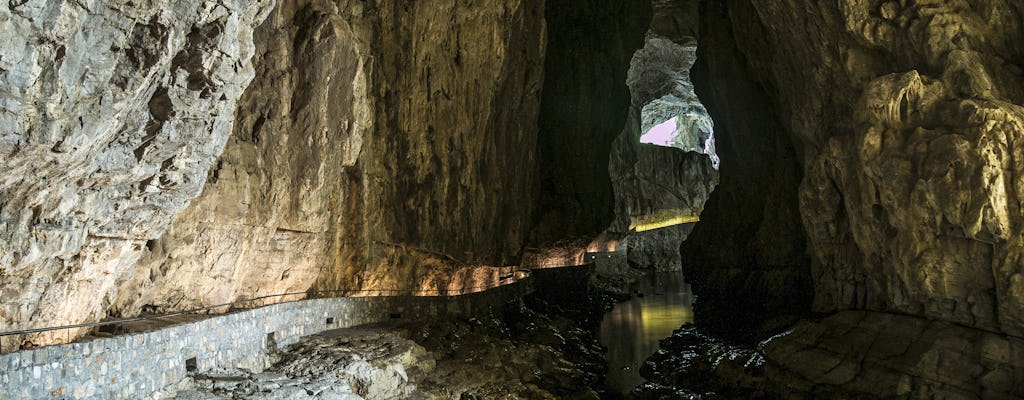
(661, 134)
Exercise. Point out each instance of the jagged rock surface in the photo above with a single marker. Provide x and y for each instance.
(361, 156)
(112, 114)
(882, 137)
(529, 356)
(911, 185)
(649, 178)
(358, 158)
(270, 216)
(377, 148)
(348, 364)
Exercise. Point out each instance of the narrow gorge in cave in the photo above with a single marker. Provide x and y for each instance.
(520, 199)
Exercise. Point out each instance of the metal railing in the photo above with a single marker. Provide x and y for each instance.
(503, 281)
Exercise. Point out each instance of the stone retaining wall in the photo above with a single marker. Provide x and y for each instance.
(137, 365)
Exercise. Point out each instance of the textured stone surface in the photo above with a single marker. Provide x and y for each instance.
(912, 193)
(344, 364)
(856, 353)
(649, 178)
(517, 354)
(906, 117)
(447, 169)
(269, 218)
(375, 148)
(659, 82)
(112, 114)
(676, 20)
(877, 166)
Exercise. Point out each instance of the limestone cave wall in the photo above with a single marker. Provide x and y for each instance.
(269, 217)
(896, 128)
(367, 154)
(674, 176)
(380, 144)
(112, 115)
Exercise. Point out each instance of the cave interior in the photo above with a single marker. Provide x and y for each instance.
(835, 182)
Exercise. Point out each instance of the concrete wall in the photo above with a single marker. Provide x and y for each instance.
(137, 365)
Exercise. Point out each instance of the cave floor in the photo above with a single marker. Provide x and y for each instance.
(525, 356)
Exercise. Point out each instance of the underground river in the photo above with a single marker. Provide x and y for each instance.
(631, 330)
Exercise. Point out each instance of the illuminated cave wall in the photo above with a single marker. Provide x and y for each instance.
(881, 159)
(374, 147)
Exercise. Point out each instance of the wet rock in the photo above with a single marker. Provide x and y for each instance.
(849, 355)
(693, 363)
(855, 354)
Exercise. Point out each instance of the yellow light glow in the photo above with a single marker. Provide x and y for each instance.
(659, 320)
(661, 219)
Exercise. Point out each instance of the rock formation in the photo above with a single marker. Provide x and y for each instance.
(870, 154)
(878, 170)
(111, 118)
(903, 117)
(677, 175)
(380, 145)
(318, 187)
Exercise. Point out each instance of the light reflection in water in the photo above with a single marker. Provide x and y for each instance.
(632, 329)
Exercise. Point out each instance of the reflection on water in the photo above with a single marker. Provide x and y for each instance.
(632, 329)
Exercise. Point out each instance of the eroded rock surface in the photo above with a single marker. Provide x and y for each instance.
(680, 171)
(112, 114)
(375, 149)
(888, 178)
(355, 153)
(905, 118)
(268, 220)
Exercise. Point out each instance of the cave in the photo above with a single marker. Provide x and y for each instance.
(791, 200)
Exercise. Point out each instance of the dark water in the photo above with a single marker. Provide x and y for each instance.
(632, 329)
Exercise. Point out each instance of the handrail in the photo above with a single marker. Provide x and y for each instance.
(309, 294)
